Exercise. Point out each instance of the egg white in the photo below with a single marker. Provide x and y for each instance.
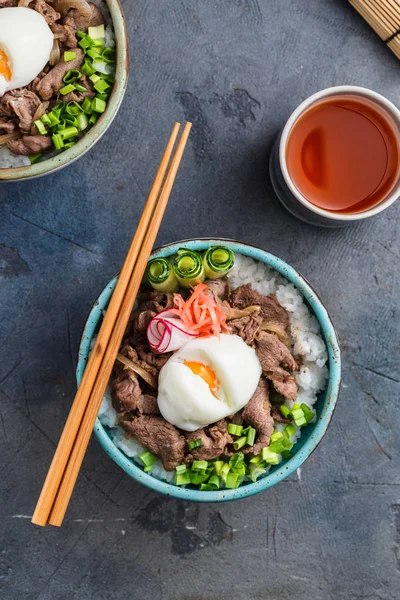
(185, 400)
(27, 41)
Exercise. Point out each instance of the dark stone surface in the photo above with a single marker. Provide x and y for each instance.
(236, 68)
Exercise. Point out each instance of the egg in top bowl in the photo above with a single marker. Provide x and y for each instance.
(227, 377)
(55, 104)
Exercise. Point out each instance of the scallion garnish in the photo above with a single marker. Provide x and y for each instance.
(195, 444)
(182, 478)
(101, 86)
(232, 480)
(147, 458)
(40, 127)
(285, 411)
(98, 105)
(256, 473)
(35, 157)
(237, 460)
(239, 443)
(80, 88)
(290, 430)
(71, 76)
(68, 56)
(96, 32)
(199, 465)
(57, 141)
(251, 436)
(181, 469)
(83, 121)
(235, 429)
(270, 457)
(67, 89)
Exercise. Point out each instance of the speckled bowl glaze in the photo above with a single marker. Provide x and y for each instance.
(312, 434)
(94, 134)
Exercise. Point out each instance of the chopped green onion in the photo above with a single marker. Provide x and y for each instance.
(108, 55)
(96, 32)
(162, 278)
(270, 457)
(181, 469)
(86, 42)
(236, 460)
(80, 34)
(188, 268)
(101, 86)
(94, 53)
(70, 144)
(73, 108)
(235, 429)
(94, 78)
(195, 444)
(276, 435)
(87, 106)
(256, 459)
(200, 477)
(98, 105)
(287, 454)
(71, 76)
(68, 56)
(298, 415)
(57, 141)
(256, 473)
(80, 88)
(290, 430)
(285, 411)
(93, 118)
(147, 458)
(83, 122)
(199, 465)
(102, 97)
(45, 119)
(214, 482)
(53, 118)
(218, 466)
(239, 443)
(67, 89)
(35, 157)
(232, 480)
(308, 413)
(69, 132)
(251, 436)
(218, 261)
(224, 471)
(182, 478)
(40, 127)
(87, 68)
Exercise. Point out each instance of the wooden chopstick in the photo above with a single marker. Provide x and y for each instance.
(78, 452)
(71, 428)
(384, 17)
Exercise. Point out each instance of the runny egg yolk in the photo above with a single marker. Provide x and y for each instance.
(5, 70)
(205, 373)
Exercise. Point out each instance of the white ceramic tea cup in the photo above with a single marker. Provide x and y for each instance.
(287, 192)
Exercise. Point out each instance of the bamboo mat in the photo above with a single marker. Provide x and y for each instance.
(384, 18)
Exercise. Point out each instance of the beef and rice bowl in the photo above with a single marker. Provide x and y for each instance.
(57, 68)
(218, 372)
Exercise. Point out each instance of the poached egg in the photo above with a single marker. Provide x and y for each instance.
(25, 45)
(207, 380)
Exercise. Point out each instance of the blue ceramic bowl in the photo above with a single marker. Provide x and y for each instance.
(311, 435)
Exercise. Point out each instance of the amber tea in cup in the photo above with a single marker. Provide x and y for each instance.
(343, 154)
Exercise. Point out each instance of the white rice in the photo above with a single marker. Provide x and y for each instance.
(307, 343)
(9, 160)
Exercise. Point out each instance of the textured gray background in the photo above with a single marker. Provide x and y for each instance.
(236, 68)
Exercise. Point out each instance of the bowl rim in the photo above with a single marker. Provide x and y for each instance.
(287, 467)
(90, 138)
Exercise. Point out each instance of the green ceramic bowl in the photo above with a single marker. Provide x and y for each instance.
(94, 134)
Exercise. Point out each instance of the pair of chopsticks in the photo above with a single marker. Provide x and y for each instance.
(64, 469)
(384, 18)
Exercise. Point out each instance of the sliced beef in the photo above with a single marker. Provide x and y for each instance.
(7, 126)
(155, 360)
(271, 310)
(273, 356)
(65, 34)
(257, 413)
(278, 416)
(30, 144)
(160, 437)
(218, 288)
(77, 96)
(52, 82)
(130, 353)
(157, 301)
(214, 440)
(8, 3)
(126, 391)
(142, 319)
(22, 104)
(47, 11)
(79, 22)
(147, 405)
(248, 328)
